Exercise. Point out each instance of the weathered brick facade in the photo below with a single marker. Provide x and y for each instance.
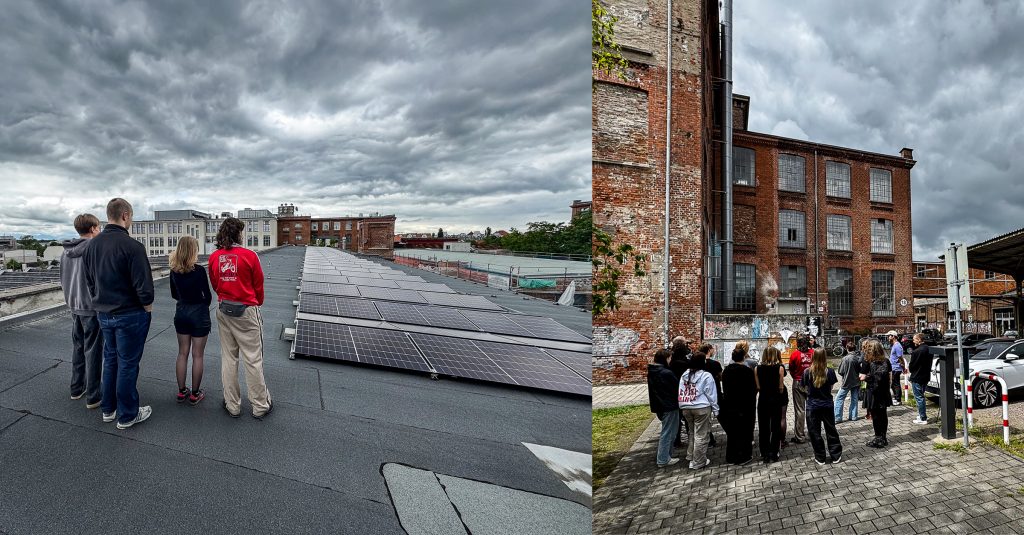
(629, 177)
(992, 299)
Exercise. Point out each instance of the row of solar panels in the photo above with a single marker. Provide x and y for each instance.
(439, 316)
(439, 308)
(11, 280)
(548, 369)
(378, 282)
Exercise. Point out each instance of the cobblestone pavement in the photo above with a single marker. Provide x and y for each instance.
(871, 491)
(620, 395)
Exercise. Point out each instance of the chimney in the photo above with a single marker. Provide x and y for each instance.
(907, 153)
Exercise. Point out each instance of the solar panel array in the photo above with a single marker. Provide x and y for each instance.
(10, 280)
(340, 285)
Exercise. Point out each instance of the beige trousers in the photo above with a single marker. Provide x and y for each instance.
(243, 336)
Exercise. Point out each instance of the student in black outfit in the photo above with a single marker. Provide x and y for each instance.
(679, 363)
(190, 287)
(877, 371)
(663, 391)
(738, 408)
(818, 380)
(768, 377)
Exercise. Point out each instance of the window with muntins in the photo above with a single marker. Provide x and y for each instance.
(881, 185)
(840, 291)
(883, 296)
(792, 176)
(743, 166)
(837, 179)
(881, 236)
(792, 229)
(794, 281)
(838, 233)
(745, 283)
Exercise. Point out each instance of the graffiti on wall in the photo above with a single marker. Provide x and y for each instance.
(612, 346)
(760, 332)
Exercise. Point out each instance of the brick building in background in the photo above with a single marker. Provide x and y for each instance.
(370, 234)
(820, 229)
(796, 203)
(992, 299)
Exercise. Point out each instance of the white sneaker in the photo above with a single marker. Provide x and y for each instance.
(669, 463)
(110, 417)
(144, 414)
(695, 467)
(920, 421)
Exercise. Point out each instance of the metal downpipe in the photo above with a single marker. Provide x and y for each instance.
(728, 268)
(668, 162)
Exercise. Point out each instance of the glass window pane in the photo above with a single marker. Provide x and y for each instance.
(744, 296)
(793, 281)
(882, 293)
(742, 166)
(839, 235)
(837, 179)
(792, 229)
(791, 173)
(840, 291)
(881, 236)
(881, 185)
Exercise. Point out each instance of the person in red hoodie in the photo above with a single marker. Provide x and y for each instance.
(799, 361)
(237, 278)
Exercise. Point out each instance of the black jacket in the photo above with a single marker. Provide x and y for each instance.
(662, 388)
(921, 365)
(117, 272)
(680, 361)
(740, 390)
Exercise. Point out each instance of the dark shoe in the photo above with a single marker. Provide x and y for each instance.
(182, 395)
(93, 404)
(885, 441)
(745, 463)
(78, 395)
(264, 415)
(838, 460)
(820, 462)
(197, 396)
(231, 414)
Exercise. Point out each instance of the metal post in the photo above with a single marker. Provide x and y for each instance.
(668, 155)
(964, 370)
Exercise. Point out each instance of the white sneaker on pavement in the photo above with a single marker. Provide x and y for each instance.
(143, 415)
(669, 463)
(920, 421)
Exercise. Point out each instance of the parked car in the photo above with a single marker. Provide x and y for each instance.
(1011, 334)
(970, 339)
(1001, 356)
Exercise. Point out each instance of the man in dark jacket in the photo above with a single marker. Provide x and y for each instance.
(120, 283)
(663, 391)
(679, 363)
(86, 339)
(920, 373)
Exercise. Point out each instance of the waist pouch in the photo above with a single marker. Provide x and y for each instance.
(233, 309)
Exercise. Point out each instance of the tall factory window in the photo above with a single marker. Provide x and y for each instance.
(792, 229)
(794, 281)
(883, 297)
(745, 284)
(840, 291)
(881, 236)
(839, 235)
(881, 185)
(837, 179)
(742, 166)
(792, 176)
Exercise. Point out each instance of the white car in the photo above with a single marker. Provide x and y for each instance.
(1001, 356)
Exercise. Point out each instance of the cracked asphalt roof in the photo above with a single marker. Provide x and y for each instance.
(314, 465)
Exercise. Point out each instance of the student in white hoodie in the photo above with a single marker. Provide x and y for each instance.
(698, 400)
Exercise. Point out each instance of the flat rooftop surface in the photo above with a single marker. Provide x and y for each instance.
(315, 465)
(501, 263)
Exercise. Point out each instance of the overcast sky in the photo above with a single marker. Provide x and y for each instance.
(879, 75)
(459, 114)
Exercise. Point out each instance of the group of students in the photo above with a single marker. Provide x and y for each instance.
(687, 387)
(108, 287)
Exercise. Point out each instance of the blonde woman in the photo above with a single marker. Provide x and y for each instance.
(877, 371)
(190, 287)
(769, 379)
(818, 381)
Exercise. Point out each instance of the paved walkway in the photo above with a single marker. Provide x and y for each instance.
(870, 492)
(620, 395)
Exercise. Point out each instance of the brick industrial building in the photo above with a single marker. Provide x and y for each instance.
(365, 234)
(812, 225)
(992, 300)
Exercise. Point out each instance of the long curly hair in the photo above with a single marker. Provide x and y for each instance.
(230, 233)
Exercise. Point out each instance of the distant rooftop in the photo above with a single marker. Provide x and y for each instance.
(531, 267)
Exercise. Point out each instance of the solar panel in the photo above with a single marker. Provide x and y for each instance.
(531, 366)
(327, 340)
(337, 306)
(374, 291)
(581, 363)
(493, 322)
(313, 277)
(367, 281)
(329, 288)
(409, 296)
(387, 348)
(547, 328)
(459, 357)
(458, 300)
(424, 286)
(449, 318)
(401, 313)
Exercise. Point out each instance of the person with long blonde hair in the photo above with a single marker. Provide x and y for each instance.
(769, 379)
(877, 371)
(190, 287)
(818, 380)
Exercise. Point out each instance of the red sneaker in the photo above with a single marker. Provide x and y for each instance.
(182, 395)
(196, 397)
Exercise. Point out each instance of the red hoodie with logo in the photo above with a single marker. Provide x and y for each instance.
(236, 275)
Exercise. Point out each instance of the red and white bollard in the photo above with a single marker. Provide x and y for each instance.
(906, 388)
(1006, 402)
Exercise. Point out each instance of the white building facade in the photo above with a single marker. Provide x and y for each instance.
(160, 236)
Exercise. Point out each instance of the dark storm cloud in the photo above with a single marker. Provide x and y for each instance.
(942, 79)
(457, 114)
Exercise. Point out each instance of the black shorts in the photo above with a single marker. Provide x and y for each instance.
(193, 320)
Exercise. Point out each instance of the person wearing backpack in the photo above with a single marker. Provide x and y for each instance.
(698, 401)
(848, 370)
(663, 390)
(799, 361)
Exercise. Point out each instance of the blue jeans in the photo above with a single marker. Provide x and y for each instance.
(124, 338)
(919, 398)
(841, 398)
(669, 432)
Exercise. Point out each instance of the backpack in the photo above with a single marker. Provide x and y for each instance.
(688, 391)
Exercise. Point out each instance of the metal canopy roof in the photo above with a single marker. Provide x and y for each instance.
(1002, 254)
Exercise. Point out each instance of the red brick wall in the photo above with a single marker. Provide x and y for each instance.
(629, 175)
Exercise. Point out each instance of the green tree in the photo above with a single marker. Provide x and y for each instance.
(610, 261)
(13, 264)
(606, 55)
(440, 233)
